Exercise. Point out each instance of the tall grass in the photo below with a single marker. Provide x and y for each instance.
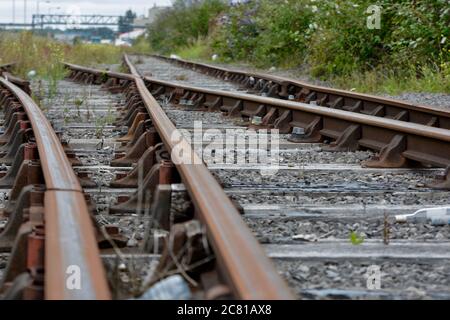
(45, 55)
(195, 51)
(429, 80)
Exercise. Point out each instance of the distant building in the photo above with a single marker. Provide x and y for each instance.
(143, 22)
(65, 37)
(96, 39)
(127, 39)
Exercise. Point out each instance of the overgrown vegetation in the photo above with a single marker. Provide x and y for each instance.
(184, 24)
(45, 56)
(327, 39)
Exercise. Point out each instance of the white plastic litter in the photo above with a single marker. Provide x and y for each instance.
(171, 288)
(435, 216)
(31, 74)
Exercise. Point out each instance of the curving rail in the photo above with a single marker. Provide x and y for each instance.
(70, 243)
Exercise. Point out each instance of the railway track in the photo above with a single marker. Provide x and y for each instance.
(177, 219)
(110, 186)
(294, 90)
(308, 216)
(48, 224)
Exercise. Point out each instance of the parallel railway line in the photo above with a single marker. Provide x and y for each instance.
(397, 142)
(294, 90)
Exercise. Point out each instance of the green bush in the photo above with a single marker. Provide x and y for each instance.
(183, 24)
(332, 36)
(266, 33)
(329, 38)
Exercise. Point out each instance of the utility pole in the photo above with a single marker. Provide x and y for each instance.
(14, 10)
(24, 11)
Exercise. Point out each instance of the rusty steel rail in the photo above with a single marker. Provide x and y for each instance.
(397, 141)
(294, 90)
(244, 266)
(91, 75)
(21, 83)
(69, 232)
(5, 71)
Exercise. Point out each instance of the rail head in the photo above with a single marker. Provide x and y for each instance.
(71, 250)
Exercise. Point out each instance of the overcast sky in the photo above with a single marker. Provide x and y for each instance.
(113, 7)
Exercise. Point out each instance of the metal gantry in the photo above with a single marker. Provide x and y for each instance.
(41, 20)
